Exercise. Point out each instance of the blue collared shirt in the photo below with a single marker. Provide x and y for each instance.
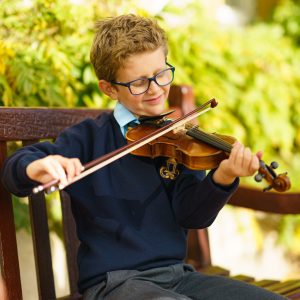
(123, 116)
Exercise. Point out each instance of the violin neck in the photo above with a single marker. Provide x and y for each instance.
(210, 139)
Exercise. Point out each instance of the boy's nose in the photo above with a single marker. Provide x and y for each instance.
(153, 87)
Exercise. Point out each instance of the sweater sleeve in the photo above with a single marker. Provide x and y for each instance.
(70, 143)
(197, 200)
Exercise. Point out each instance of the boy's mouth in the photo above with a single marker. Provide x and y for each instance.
(154, 100)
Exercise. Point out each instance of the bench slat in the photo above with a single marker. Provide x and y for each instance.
(41, 243)
(39, 123)
(71, 241)
(8, 243)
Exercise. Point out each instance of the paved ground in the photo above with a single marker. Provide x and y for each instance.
(28, 275)
(238, 244)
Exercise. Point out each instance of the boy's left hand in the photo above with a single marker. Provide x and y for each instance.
(241, 162)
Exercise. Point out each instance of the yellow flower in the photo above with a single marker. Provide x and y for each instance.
(6, 52)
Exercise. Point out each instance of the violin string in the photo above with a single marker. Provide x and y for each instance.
(219, 142)
(211, 139)
(195, 128)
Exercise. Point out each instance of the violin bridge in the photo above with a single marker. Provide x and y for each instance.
(179, 129)
(169, 171)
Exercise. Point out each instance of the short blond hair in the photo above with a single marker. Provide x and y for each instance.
(118, 38)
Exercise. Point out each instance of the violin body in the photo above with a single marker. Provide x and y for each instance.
(186, 150)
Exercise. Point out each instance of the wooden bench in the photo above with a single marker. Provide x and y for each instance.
(29, 125)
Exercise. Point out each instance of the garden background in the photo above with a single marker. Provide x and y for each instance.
(243, 53)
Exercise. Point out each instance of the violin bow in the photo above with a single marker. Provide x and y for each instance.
(108, 158)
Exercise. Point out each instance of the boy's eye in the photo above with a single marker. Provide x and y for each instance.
(140, 82)
(161, 74)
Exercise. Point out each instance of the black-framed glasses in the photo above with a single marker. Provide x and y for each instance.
(141, 85)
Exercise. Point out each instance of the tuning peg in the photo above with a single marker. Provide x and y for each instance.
(258, 177)
(274, 164)
(280, 183)
(267, 188)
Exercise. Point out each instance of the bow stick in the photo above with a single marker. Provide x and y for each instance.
(106, 159)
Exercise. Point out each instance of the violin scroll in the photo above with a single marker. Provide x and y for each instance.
(280, 183)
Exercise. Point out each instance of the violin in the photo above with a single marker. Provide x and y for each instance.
(197, 150)
(190, 146)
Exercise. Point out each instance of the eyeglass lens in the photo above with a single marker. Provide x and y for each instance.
(140, 86)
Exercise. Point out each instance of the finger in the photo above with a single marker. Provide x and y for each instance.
(60, 170)
(259, 154)
(72, 166)
(247, 158)
(70, 169)
(78, 166)
(49, 168)
(234, 151)
(251, 162)
(239, 156)
(254, 165)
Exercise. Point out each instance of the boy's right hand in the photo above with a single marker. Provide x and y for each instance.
(54, 167)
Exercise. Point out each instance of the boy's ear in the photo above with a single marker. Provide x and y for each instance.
(108, 89)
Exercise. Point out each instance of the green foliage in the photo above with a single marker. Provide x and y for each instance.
(288, 16)
(21, 213)
(45, 49)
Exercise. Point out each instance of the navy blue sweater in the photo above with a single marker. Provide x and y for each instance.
(127, 215)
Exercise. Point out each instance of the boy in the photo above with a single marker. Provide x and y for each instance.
(131, 222)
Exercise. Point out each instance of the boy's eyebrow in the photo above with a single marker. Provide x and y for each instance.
(157, 71)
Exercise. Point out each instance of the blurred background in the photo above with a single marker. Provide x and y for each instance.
(245, 53)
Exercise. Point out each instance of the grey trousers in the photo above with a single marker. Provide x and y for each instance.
(176, 282)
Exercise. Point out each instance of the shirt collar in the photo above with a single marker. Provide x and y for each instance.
(123, 116)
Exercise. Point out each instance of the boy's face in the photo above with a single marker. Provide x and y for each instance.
(138, 66)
